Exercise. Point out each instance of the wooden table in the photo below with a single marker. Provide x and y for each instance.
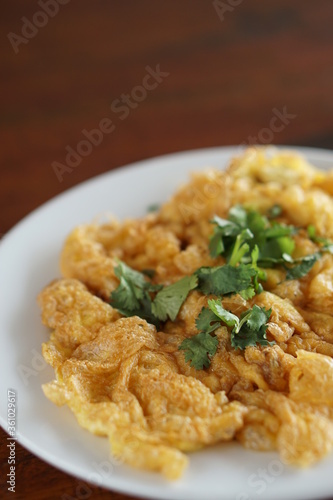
(170, 76)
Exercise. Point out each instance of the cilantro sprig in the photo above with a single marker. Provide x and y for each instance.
(169, 299)
(234, 277)
(302, 266)
(225, 280)
(237, 236)
(250, 242)
(199, 349)
(246, 231)
(247, 330)
(135, 295)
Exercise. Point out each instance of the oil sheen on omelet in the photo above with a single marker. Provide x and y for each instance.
(125, 380)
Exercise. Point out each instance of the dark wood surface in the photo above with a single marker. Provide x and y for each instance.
(227, 73)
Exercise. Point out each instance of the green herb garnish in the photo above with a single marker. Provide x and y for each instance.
(169, 300)
(225, 280)
(132, 296)
(198, 349)
(249, 241)
(236, 237)
(302, 269)
(249, 329)
(135, 295)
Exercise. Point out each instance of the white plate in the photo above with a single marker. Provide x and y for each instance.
(29, 260)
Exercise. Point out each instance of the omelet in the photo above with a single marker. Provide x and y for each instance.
(125, 378)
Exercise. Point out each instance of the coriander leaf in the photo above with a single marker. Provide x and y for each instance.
(216, 246)
(236, 237)
(250, 292)
(272, 251)
(131, 289)
(227, 317)
(278, 231)
(256, 222)
(252, 328)
(227, 227)
(224, 280)
(247, 337)
(207, 321)
(131, 297)
(132, 281)
(300, 270)
(169, 300)
(238, 215)
(223, 229)
(226, 230)
(255, 317)
(143, 311)
(124, 296)
(249, 329)
(198, 349)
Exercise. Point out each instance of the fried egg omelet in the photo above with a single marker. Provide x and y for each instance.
(126, 379)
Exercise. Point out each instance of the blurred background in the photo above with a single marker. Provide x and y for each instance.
(90, 86)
